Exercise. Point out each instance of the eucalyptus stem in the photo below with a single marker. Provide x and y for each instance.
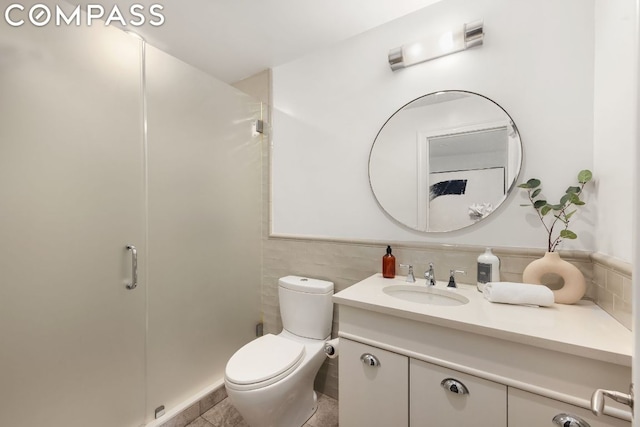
(541, 217)
(542, 207)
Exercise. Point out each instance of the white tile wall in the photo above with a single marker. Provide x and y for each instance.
(612, 283)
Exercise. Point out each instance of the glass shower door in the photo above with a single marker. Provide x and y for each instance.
(72, 336)
(205, 225)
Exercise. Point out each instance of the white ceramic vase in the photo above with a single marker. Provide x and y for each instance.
(574, 283)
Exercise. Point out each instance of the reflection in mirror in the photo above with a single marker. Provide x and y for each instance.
(445, 161)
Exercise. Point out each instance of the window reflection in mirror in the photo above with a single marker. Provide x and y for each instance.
(445, 161)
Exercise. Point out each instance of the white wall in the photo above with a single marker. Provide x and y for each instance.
(537, 63)
(615, 121)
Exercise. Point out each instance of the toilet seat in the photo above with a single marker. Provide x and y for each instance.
(263, 361)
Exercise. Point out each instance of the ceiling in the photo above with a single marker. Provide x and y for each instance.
(234, 39)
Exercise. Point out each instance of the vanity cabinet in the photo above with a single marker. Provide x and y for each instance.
(380, 388)
(376, 383)
(521, 366)
(384, 389)
(444, 397)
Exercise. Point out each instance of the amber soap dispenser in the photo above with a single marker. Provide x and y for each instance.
(388, 265)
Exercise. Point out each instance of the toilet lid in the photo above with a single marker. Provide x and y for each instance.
(264, 358)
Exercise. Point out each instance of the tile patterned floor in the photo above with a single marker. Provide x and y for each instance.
(225, 415)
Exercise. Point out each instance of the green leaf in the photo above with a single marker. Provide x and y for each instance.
(536, 192)
(568, 234)
(565, 198)
(574, 190)
(533, 183)
(579, 203)
(539, 203)
(557, 207)
(569, 215)
(526, 204)
(584, 176)
(575, 199)
(545, 210)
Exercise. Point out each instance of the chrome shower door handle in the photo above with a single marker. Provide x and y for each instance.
(134, 267)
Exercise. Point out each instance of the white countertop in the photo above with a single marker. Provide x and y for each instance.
(582, 329)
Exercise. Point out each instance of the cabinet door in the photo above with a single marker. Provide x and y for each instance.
(467, 401)
(372, 395)
(528, 409)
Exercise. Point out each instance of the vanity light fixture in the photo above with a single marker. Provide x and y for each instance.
(471, 34)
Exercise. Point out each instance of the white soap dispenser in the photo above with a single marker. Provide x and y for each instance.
(488, 269)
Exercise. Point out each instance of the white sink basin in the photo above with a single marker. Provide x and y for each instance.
(424, 295)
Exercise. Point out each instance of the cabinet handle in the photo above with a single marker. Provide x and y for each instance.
(454, 386)
(568, 420)
(134, 267)
(369, 360)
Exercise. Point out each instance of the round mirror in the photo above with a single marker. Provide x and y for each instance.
(445, 161)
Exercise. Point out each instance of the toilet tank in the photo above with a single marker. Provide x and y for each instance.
(305, 306)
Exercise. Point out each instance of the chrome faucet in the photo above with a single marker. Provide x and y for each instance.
(452, 279)
(430, 275)
(410, 277)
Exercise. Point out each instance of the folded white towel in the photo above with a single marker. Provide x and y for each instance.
(518, 293)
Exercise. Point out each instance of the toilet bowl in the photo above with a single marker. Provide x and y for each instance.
(270, 380)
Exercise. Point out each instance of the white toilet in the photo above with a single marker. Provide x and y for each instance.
(270, 380)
